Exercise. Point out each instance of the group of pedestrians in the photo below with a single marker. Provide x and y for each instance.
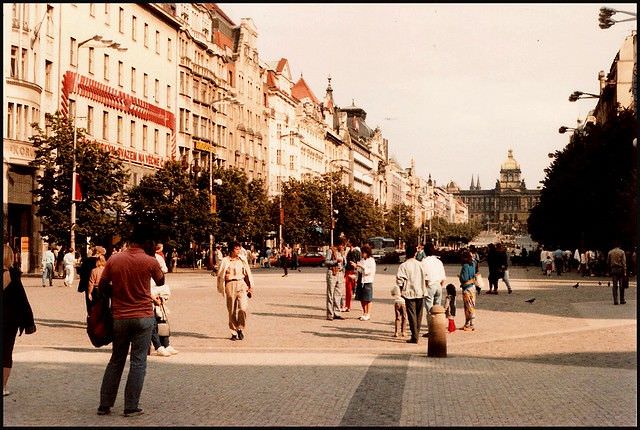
(350, 275)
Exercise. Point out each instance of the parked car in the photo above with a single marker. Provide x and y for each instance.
(311, 259)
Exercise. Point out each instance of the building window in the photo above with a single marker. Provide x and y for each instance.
(92, 54)
(120, 72)
(167, 143)
(169, 49)
(90, 120)
(156, 141)
(73, 54)
(10, 119)
(157, 42)
(156, 91)
(49, 20)
(292, 162)
(181, 119)
(14, 62)
(121, 20)
(105, 125)
(105, 68)
(48, 65)
(132, 135)
(145, 85)
(146, 35)
(145, 132)
(279, 157)
(72, 108)
(92, 9)
(133, 79)
(120, 125)
(186, 120)
(23, 65)
(134, 26)
(168, 96)
(107, 13)
(181, 82)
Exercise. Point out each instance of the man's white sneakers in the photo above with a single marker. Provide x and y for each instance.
(171, 350)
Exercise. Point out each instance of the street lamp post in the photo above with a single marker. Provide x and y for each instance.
(563, 129)
(606, 13)
(106, 44)
(331, 213)
(577, 95)
(291, 133)
(211, 160)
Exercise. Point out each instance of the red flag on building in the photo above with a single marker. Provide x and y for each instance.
(281, 216)
(77, 189)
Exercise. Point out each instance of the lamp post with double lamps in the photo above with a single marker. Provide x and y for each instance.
(604, 17)
(291, 133)
(104, 44)
(331, 213)
(212, 181)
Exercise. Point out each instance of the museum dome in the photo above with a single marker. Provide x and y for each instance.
(510, 163)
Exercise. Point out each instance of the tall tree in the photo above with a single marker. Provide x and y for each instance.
(589, 194)
(176, 202)
(102, 179)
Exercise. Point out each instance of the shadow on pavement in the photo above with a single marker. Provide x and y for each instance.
(61, 323)
(316, 308)
(303, 316)
(608, 360)
(359, 333)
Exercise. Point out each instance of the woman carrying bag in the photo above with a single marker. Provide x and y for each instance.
(160, 334)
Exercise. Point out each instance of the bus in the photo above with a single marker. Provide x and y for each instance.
(383, 249)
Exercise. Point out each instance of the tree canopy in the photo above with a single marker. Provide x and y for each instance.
(589, 194)
(102, 180)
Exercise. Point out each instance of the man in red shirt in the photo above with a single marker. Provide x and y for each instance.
(126, 279)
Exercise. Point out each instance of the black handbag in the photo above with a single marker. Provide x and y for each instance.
(625, 281)
(100, 320)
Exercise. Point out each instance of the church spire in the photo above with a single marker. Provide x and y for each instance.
(478, 182)
(328, 98)
(472, 187)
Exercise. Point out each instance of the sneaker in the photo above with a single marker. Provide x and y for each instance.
(234, 337)
(171, 350)
(5, 392)
(240, 335)
(104, 410)
(133, 412)
(623, 302)
(338, 317)
(162, 351)
(365, 318)
(468, 328)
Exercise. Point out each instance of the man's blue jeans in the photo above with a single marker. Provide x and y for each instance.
(47, 274)
(137, 332)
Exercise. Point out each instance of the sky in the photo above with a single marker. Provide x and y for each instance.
(453, 86)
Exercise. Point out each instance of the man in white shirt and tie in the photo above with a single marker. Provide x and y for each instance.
(435, 277)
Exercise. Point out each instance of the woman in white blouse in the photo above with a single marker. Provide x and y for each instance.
(364, 293)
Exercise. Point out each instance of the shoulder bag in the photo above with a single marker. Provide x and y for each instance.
(163, 324)
(100, 320)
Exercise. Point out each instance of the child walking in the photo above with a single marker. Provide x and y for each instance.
(400, 312)
(450, 306)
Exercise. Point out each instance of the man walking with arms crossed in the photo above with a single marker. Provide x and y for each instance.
(411, 281)
(435, 277)
(126, 279)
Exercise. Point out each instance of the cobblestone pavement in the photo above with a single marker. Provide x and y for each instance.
(568, 359)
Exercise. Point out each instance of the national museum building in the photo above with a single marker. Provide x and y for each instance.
(505, 207)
